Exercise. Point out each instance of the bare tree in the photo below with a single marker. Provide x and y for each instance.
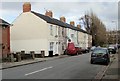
(95, 27)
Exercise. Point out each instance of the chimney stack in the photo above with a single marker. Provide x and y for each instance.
(26, 7)
(63, 19)
(72, 23)
(49, 13)
(79, 26)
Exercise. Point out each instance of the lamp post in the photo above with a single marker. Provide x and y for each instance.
(116, 31)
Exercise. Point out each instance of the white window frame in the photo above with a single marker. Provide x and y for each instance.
(51, 30)
(51, 46)
(59, 31)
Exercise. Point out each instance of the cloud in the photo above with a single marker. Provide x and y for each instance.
(11, 5)
(106, 11)
(59, 0)
(119, 15)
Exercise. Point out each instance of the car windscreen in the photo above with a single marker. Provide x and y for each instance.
(99, 51)
(93, 48)
(111, 47)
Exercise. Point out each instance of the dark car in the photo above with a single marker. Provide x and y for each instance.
(92, 48)
(71, 50)
(118, 46)
(100, 55)
(112, 49)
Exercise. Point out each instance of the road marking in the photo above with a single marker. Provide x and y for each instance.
(38, 71)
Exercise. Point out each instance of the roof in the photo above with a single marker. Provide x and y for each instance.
(3, 22)
(50, 20)
(57, 22)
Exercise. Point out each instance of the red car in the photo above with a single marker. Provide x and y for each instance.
(79, 50)
(71, 50)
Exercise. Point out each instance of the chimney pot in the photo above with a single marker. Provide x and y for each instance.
(79, 26)
(26, 7)
(49, 13)
(72, 23)
(63, 19)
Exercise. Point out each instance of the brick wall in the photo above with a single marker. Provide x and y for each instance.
(5, 41)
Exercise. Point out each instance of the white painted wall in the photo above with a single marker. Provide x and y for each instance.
(52, 38)
(86, 42)
(29, 45)
(81, 39)
(62, 40)
(90, 40)
(75, 38)
(69, 33)
(29, 33)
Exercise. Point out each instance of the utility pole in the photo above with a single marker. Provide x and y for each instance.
(116, 31)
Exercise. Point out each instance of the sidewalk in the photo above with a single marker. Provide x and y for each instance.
(112, 70)
(26, 62)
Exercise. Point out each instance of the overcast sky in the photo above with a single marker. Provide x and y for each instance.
(72, 10)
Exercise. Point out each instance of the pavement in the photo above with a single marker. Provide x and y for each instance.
(111, 72)
(7, 65)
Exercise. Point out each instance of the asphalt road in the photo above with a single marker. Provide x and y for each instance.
(73, 67)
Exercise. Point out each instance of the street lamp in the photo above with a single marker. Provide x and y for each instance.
(116, 30)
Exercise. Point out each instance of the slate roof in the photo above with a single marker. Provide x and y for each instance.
(57, 22)
(3, 22)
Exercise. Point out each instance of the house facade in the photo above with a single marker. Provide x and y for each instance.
(89, 40)
(4, 38)
(32, 31)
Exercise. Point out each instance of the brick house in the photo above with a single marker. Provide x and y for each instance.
(4, 38)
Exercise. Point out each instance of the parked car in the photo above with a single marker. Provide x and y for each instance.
(79, 50)
(118, 46)
(92, 48)
(71, 50)
(83, 50)
(100, 55)
(112, 49)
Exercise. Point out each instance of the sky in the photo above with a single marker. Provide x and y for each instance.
(107, 11)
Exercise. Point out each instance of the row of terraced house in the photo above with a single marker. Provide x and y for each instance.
(32, 31)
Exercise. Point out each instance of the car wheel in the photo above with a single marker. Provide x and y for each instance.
(107, 62)
(91, 61)
(77, 53)
(65, 52)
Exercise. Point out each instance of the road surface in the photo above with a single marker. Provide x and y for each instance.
(73, 67)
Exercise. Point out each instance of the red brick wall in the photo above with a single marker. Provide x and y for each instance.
(0, 42)
(6, 41)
